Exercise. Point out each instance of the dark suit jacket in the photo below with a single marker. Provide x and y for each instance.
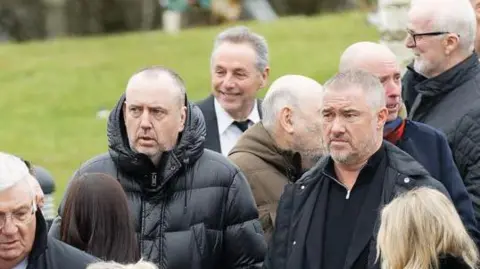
(207, 106)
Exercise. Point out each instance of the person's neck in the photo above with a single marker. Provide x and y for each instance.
(451, 62)
(243, 113)
(156, 159)
(347, 174)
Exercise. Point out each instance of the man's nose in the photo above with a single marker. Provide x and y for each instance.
(229, 81)
(409, 42)
(145, 121)
(392, 88)
(9, 228)
(338, 126)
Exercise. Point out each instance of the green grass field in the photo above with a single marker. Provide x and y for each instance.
(52, 90)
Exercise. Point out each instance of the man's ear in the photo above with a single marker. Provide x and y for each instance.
(451, 43)
(183, 118)
(382, 117)
(265, 74)
(286, 119)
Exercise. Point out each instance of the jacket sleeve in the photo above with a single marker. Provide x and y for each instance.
(466, 152)
(453, 182)
(244, 244)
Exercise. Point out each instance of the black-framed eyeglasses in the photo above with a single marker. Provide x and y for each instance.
(415, 35)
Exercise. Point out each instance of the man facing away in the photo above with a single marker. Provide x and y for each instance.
(276, 151)
(192, 207)
(328, 218)
(239, 69)
(425, 144)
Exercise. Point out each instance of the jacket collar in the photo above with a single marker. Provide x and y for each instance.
(189, 148)
(41, 237)
(396, 159)
(257, 141)
(448, 80)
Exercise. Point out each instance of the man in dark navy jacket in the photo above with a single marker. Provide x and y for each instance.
(425, 144)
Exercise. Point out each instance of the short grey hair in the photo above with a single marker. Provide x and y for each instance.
(114, 265)
(274, 102)
(14, 170)
(288, 90)
(152, 72)
(453, 16)
(370, 84)
(240, 35)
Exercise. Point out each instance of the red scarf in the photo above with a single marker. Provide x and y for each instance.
(396, 134)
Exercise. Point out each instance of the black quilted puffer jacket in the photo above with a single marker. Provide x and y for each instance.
(450, 102)
(195, 210)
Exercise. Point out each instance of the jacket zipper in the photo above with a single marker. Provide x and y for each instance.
(154, 179)
(341, 184)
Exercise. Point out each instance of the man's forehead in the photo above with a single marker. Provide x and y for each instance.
(419, 19)
(348, 97)
(18, 195)
(382, 66)
(234, 55)
(151, 91)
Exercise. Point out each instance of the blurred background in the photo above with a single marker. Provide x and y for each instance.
(23, 20)
(65, 63)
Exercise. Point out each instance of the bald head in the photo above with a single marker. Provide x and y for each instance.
(290, 90)
(366, 56)
(380, 61)
(157, 79)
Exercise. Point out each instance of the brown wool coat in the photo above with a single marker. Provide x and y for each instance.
(267, 168)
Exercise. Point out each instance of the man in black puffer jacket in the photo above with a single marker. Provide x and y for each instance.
(192, 207)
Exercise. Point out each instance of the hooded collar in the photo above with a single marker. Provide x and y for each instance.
(448, 80)
(188, 149)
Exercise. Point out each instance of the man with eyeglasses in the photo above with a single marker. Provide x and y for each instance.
(23, 232)
(442, 86)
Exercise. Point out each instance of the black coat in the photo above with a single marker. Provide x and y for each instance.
(49, 253)
(450, 102)
(195, 210)
(287, 248)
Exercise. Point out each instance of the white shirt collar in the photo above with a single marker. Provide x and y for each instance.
(22, 265)
(224, 120)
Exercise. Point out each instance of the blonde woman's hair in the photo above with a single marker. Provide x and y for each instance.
(419, 226)
(114, 265)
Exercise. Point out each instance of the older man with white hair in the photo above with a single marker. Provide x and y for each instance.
(442, 86)
(23, 231)
(287, 141)
(426, 144)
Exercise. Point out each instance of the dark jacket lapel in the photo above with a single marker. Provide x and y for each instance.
(212, 140)
(259, 107)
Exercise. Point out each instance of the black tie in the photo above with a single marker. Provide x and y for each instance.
(242, 125)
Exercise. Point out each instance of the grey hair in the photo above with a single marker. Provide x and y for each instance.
(370, 84)
(288, 90)
(240, 35)
(453, 16)
(155, 71)
(14, 170)
(114, 265)
(274, 102)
